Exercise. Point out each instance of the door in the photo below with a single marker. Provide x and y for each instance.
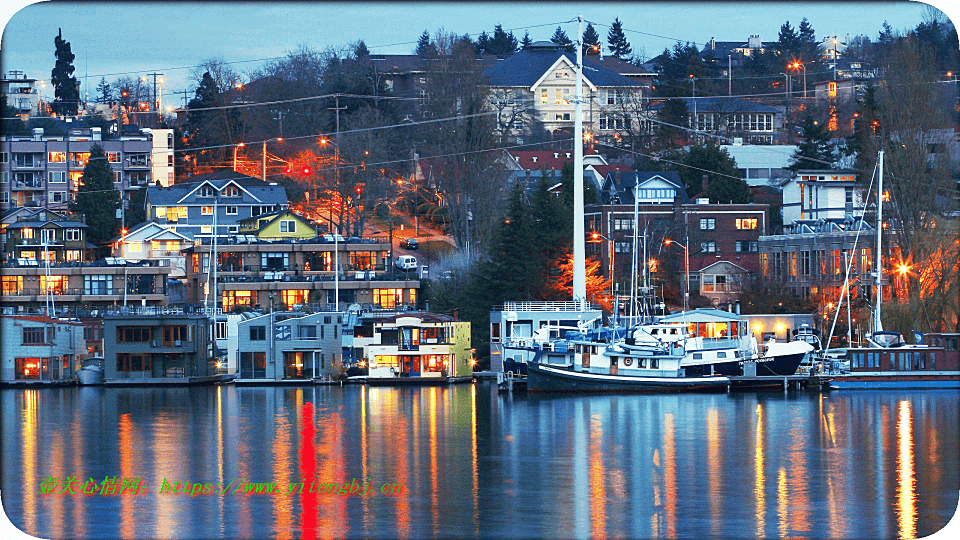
(613, 365)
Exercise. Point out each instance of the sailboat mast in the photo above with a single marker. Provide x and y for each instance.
(877, 326)
(579, 258)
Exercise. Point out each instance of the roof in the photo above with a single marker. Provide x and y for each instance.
(702, 315)
(527, 67)
(624, 181)
(39, 224)
(266, 193)
(604, 170)
(424, 317)
(537, 160)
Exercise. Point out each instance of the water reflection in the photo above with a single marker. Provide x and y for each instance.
(906, 482)
(468, 462)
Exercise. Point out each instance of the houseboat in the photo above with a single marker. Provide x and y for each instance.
(892, 363)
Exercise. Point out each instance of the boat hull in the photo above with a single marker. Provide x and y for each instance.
(782, 364)
(895, 381)
(89, 376)
(541, 378)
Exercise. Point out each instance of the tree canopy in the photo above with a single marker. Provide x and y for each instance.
(97, 198)
(617, 42)
(66, 88)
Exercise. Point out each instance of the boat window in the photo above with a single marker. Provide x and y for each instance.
(923, 360)
(855, 360)
(952, 344)
(698, 356)
(916, 360)
(627, 361)
(933, 360)
(655, 331)
(721, 355)
(654, 363)
(641, 363)
(904, 361)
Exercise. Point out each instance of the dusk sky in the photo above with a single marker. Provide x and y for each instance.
(136, 38)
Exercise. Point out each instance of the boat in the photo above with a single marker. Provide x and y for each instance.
(887, 360)
(91, 371)
(589, 366)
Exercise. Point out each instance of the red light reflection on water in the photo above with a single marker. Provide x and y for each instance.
(308, 471)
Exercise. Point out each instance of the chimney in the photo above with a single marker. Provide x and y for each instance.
(704, 182)
(37, 134)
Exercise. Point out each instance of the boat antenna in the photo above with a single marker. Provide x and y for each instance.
(579, 258)
(877, 325)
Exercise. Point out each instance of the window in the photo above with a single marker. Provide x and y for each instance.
(206, 211)
(24, 160)
(231, 210)
(98, 284)
(57, 177)
(231, 191)
(4, 196)
(139, 178)
(220, 331)
(258, 333)
(744, 246)
(207, 191)
(308, 332)
(563, 116)
(79, 159)
(708, 247)
(543, 97)
(26, 233)
(137, 160)
(746, 223)
(72, 255)
(288, 226)
(136, 246)
(34, 336)
(113, 157)
(274, 261)
(57, 157)
(388, 298)
(134, 362)
(708, 224)
(206, 229)
(614, 121)
(4, 157)
(58, 196)
(4, 177)
(134, 334)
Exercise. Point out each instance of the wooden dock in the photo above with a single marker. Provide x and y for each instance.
(777, 382)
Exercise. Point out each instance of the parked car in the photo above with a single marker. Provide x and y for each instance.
(409, 243)
(406, 262)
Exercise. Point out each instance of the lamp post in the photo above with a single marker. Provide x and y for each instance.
(595, 237)
(694, 79)
(278, 139)
(797, 65)
(686, 271)
(235, 148)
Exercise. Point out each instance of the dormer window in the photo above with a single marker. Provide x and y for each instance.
(556, 155)
(568, 155)
(231, 191)
(207, 191)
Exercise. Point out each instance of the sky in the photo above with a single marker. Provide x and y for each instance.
(111, 39)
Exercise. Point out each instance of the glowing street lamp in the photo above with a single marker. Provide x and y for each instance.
(797, 65)
(595, 237)
(686, 271)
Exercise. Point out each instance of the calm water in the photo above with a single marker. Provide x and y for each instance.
(472, 463)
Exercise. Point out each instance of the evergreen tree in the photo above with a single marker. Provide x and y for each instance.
(66, 87)
(502, 42)
(104, 90)
(720, 169)
(617, 41)
(360, 50)
(97, 199)
(425, 47)
(788, 42)
(806, 41)
(526, 42)
(512, 272)
(560, 38)
(591, 40)
(816, 150)
(483, 42)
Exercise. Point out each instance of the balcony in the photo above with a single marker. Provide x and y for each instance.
(36, 183)
(25, 166)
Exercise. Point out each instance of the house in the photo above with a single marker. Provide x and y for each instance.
(651, 187)
(733, 118)
(424, 345)
(542, 77)
(529, 166)
(22, 93)
(737, 50)
(157, 346)
(723, 281)
(838, 92)
(222, 198)
(44, 171)
(41, 235)
(39, 348)
(762, 164)
(251, 272)
(812, 195)
(151, 241)
(278, 226)
(290, 345)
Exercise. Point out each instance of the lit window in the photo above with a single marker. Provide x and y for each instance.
(746, 223)
(206, 210)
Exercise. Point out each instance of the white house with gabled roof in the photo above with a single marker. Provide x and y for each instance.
(155, 242)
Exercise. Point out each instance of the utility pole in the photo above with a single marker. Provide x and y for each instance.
(336, 153)
(155, 75)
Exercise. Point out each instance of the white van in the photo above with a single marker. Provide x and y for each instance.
(406, 262)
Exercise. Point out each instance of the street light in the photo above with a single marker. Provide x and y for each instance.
(241, 145)
(595, 237)
(797, 65)
(686, 271)
(694, 79)
(278, 139)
